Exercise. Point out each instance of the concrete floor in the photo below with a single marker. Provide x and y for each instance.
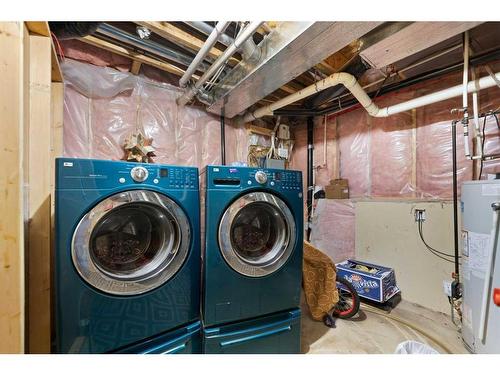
(369, 333)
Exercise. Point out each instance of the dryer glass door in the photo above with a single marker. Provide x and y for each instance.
(131, 242)
(257, 234)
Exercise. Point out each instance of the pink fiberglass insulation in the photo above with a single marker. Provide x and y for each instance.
(354, 145)
(76, 141)
(77, 50)
(391, 151)
(102, 107)
(324, 172)
(377, 156)
(333, 228)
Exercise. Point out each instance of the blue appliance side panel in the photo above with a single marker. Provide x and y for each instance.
(89, 321)
(184, 340)
(229, 296)
(274, 334)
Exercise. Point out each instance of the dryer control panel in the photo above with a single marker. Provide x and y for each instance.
(224, 177)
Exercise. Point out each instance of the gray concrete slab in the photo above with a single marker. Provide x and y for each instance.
(369, 333)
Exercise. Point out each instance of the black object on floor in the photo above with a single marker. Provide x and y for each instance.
(386, 306)
(330, 321)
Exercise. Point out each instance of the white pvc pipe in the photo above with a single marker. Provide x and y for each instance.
(357, 91)
(465, 120)
(230, 50)
(477, 127)
(466, 69)
(205, 49)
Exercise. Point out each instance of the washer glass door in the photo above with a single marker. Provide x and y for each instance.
(257, 234)
(131, 242)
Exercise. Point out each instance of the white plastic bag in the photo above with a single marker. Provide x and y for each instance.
(414, 347)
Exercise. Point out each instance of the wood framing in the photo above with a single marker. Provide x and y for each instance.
(11, 182)
(254, 129)
(136, 67)
(133, 55)
(38, 27)
(411, 39)
(336, 149)
(38, 143)
(413, 182)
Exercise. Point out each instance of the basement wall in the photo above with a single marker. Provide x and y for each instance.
(394, 164)
(103, 106)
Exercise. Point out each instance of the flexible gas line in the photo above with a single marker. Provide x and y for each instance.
(408, 324)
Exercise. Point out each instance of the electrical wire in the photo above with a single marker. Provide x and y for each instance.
(431, 249)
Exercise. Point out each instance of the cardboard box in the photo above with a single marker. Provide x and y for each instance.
(338, 189)
(376, 283)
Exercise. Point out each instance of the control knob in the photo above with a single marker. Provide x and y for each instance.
(261, 177)
(139, 174)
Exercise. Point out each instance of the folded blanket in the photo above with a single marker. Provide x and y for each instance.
(320, 288)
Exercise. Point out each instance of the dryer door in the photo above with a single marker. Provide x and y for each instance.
(257, 234)
(131, 242)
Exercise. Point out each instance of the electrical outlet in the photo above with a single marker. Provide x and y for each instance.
(447, 288)
(419, 215)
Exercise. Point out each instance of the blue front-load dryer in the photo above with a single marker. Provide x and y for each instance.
(252, 258)
(127, 258)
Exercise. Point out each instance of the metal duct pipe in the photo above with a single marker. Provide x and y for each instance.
(230, 50)
(146, 45)
(207, 30)
(357, 91)
(205, 49)
(246, 49)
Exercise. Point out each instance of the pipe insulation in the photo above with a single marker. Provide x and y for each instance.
(358, 92)
(205, 49)
(230, 50)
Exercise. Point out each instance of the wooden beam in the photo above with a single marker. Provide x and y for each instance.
(258, 130)
(336, 149)
(11, 188)
(39, 28)
(412, 39)
(42, 28)
(38, 142)
(178, 36)
(133, 55)
(413, 181)
(56, 72)
(136, 67)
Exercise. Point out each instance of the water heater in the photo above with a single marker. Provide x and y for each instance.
(480, 204)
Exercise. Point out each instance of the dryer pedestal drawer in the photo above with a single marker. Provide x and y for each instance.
(273, 334)
(185, 340)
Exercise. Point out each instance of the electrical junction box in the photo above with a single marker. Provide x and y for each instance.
(283, 132)
(373, 282)
(283, 152)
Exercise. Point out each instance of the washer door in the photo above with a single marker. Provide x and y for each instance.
(131, 242)
(257, 234)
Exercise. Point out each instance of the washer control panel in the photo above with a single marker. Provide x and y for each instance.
(166, 176)
(106, 174)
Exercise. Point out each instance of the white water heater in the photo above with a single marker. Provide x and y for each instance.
(480, 204)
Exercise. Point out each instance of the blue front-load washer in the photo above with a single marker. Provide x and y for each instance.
(127, 258)
(252, 258)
